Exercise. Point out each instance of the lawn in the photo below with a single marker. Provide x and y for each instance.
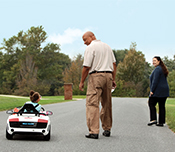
(10, 102)
(170, 113)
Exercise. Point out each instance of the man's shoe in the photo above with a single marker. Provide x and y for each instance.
(107, 133)
(93, 136)
(152, 122)
(159, 125)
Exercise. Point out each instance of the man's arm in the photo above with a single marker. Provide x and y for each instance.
(114, 75)
(85, 73)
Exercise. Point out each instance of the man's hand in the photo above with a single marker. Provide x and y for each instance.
(85, 72)
(114, 84)
(81, 86)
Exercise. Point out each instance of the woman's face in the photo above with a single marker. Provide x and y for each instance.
(155, 62)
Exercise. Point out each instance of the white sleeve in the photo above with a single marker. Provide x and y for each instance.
(88, 57)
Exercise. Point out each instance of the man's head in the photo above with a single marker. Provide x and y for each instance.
(88, 37)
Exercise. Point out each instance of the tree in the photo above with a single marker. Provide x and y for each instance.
(120, 55)
(9, 66)
(51, 65)
(1, 69)
(171, 83)
(124, 89)
(27, 78)
(119, 91)
(26, 65)
(133, 73)
(170, 63)
(132, 67)
(145, 81)
(73, 74)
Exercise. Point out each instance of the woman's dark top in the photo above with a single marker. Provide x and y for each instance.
(158, 83)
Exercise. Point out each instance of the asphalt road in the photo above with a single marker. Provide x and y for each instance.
(130, 132)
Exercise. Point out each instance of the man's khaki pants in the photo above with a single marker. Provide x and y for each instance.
(99, 89)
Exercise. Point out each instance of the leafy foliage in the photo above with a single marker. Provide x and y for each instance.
(171, 82)
(73, 75)
(26, 65)
(170, 63)
(132, 67)
(120, 55)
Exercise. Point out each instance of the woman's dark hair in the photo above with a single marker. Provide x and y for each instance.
(164, 68)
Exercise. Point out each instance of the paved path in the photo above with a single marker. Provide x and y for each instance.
(130, 132)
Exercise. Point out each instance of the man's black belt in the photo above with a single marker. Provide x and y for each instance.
(100, 72)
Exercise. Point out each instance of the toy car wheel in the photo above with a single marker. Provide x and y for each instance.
(8, 136)
(47, 137)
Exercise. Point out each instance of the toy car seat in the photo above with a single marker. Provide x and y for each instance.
(28, 108)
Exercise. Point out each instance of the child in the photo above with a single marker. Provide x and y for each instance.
(35, 98)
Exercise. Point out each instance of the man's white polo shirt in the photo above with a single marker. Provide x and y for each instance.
(99, 56)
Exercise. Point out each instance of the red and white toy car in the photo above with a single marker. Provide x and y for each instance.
(28, 121)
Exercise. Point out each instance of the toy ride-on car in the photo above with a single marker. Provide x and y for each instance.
(28, 121)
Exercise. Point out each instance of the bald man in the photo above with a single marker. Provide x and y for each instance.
(100, 64)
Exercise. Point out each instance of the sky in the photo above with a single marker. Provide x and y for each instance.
(149, 23)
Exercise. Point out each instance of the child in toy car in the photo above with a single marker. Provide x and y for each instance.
(29, 119)
(35, 98)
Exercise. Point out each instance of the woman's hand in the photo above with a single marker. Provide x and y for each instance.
(151, 93)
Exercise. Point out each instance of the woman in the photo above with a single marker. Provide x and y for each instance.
(159, 91)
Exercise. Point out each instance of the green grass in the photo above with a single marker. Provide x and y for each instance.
(170, 113)
(11, 102)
